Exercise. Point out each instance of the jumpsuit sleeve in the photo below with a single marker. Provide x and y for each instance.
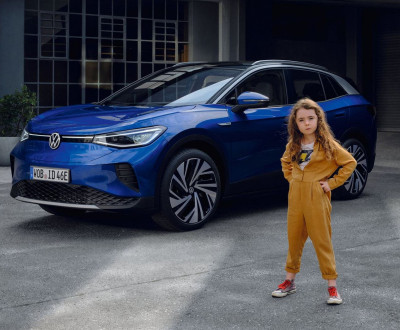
(287, 165)
(346, 161)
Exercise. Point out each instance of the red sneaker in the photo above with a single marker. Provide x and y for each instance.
(285, 288)
(334, 296)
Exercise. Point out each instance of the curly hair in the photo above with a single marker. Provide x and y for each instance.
(323, 133)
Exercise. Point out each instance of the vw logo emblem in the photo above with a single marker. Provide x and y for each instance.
(54, 141)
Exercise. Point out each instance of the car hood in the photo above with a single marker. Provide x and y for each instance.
(92, 119)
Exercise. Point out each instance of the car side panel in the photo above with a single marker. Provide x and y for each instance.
(337, 114)
(259, 139)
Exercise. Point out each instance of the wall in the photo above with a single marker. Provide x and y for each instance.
(204, 35)
(11, 45)
(218, 30)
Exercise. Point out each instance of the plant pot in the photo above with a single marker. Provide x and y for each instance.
(6, 146)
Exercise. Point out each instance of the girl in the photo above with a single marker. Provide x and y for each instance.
(312, 155)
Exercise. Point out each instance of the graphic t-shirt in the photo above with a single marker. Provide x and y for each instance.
(305, 154)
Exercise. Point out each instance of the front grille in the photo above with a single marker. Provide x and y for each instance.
(63, 138)
(68, 194)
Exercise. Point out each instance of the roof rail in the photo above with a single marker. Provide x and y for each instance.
(215, 63)
(315, 66)
(188, 63)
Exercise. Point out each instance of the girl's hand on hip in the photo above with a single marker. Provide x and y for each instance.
(325, 186)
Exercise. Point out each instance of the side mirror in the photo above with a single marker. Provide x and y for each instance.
(250, 100)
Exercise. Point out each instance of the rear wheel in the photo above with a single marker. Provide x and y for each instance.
(63, 211)
(190, 191)
(354, 185)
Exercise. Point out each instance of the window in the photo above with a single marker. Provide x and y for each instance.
(165, 34)
(329, 90)
(302, 83)
(112, 35)
(31, 22)
(81, 51)
(338, 89)
(268, 83)
(75, 25)
(53, 35)
(181, 86)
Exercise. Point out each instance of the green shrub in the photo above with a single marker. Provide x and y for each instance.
(16, 110)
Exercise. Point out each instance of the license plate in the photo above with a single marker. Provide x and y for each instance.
(50, 174)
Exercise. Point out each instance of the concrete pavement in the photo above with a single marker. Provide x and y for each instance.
(112, 272)
(5, 174)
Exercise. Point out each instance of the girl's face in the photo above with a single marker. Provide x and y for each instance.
(307, 121)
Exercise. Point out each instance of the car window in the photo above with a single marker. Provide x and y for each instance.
(332, 87)
(329, 90)
(200, 95)
(268, 82)
(304, 83)
(338, 89)
(179, 86)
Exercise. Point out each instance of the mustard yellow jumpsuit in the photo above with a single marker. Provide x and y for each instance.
(309, 207)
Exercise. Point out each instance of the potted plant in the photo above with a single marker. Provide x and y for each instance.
(15, 111)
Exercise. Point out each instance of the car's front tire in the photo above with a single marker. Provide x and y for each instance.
(356, 183)
(190, 191)
(63, 211)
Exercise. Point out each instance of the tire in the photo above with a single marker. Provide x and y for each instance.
(190, 191)
(63, 211)
(354, 185)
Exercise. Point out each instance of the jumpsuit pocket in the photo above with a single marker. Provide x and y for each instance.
(318, 190)
(325, 194)
(329, 194)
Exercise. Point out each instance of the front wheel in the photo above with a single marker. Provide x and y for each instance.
(356, 183)
(190, 191)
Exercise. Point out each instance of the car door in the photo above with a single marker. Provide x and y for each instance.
(259, 135)
(320, 88)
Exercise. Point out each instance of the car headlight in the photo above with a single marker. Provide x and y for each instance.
(24, 135)
(132, 138)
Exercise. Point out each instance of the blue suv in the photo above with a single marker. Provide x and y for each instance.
(176, 141)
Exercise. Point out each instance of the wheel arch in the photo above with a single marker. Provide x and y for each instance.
(192, 140)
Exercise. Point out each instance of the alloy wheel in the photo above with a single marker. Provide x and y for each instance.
(193, 190)
(357, 181)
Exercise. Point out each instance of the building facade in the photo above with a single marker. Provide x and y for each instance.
(80, 51)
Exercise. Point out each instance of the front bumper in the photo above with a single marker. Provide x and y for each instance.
(117, 180)
(69, 195)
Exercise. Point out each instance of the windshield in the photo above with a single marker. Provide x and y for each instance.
(187, 85)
